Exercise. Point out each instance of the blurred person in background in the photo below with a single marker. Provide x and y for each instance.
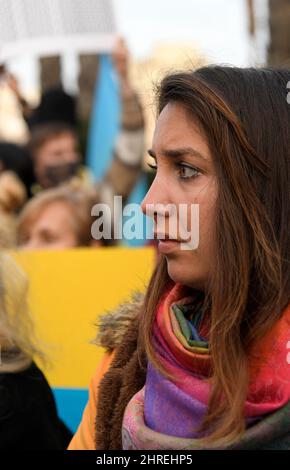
(55, 154)
(58, 218)
(16, 158)
(54, 142)
(55, 105)
(54, 150)
(28, 413)
(129, 148)
(12, 198)
(16, 176)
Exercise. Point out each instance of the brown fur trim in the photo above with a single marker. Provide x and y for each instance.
(113, 324)
(125, 377)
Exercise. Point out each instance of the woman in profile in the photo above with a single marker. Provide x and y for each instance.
(202, 362)
(28, 415)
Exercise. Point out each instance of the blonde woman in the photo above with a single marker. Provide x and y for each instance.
(57, 218)
(28, 415)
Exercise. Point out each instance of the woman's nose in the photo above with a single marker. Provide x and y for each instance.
(157, 197)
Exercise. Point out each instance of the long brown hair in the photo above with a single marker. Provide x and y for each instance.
(246, 120)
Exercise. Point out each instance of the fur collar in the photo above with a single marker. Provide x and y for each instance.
(113, 324)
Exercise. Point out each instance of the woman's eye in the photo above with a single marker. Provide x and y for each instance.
(154, 167)
(186, 171)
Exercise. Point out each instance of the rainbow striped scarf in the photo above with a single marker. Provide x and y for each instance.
(166, 414)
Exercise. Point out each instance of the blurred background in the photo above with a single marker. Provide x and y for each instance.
(160, 35)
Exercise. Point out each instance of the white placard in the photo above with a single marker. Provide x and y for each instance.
(48, 27)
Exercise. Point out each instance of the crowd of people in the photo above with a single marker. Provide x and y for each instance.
(46, 197)
(47, 191)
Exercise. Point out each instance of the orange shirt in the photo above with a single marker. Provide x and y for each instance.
(84, 438)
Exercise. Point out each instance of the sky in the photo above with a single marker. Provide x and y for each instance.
(218, 28)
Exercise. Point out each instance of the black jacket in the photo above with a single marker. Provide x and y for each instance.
(28, 415)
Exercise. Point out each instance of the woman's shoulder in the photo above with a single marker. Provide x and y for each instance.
(26, 401)
(28, 412)
(19, 389)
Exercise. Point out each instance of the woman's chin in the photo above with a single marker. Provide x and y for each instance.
(179, 273)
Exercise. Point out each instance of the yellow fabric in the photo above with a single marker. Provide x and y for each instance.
(68, 291)
(84, 438)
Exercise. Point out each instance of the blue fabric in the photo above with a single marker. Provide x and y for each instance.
(70, 403)
(105, 119)
(104, 129)
(137, 197)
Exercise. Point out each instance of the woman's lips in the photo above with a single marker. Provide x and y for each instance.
(167, 246)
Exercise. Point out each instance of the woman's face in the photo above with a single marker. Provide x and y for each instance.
(185, 175)
(52, 230)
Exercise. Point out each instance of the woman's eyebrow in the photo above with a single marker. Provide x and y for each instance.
(179, 152)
